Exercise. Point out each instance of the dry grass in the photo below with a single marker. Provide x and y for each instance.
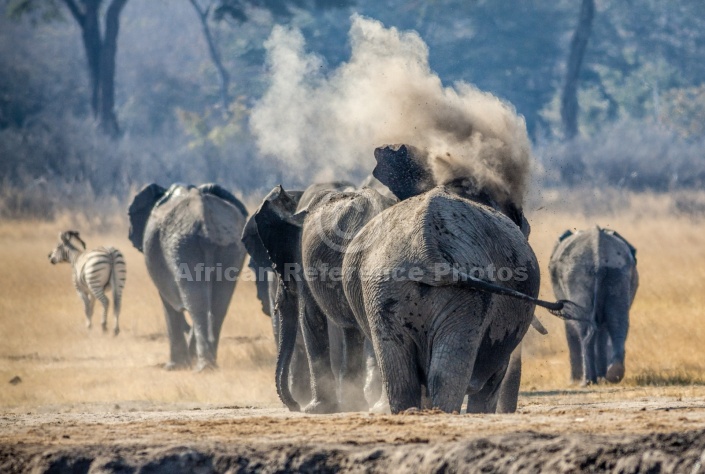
(667, 331)
(45, 343)
(44, 340)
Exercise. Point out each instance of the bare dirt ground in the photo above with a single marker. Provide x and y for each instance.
(77, 400)
(568, 431)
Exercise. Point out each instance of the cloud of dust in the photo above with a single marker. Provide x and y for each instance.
(326, 126)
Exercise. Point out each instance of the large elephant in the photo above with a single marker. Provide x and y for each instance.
(190, 239)
(411, 284)
(596, 269)
(272, 238)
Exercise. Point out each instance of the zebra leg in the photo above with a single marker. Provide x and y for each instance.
(88, 302)
(100, 296)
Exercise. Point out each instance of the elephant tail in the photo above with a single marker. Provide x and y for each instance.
(210, 263)
(562, 308)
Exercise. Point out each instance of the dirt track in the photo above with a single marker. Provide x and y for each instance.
(566, 431)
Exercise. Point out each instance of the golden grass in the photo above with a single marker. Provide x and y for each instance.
(43, 339)
(667, 319)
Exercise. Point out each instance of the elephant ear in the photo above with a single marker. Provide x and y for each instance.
(253, 244)
(404, 169)
(224, 194)
(278, 230)
(516, 214)
(262, 285)
(139, 212)
(632, 249)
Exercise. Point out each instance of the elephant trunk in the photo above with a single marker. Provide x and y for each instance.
(286, 311)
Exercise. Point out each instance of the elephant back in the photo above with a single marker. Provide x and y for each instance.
(471, 235)
(334, 218)
(191, 212)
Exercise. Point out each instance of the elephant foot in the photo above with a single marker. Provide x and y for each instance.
(381, 407)
(176, 366)
(317, 407)
(206, 366)
(615, 372)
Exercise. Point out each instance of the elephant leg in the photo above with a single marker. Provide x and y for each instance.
(588, 339)
(509, 390)
(221, 293)
(336, 343)
(373, 380)
(352, 371)
(617, 320)
(602, 350)
(399, 372)
(452, 359)
(486, 400)
(205, 352)
(314, 328)
(198, 297)
(575, 351)
(175, 325)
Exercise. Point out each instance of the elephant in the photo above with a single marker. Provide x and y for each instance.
(331, 221)
(274, 245)
(409, 280)
(596, 269)
(190, 239)
(268, 284)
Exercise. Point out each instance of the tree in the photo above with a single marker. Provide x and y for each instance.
(239, 11)
(569, 98)
(100, 47)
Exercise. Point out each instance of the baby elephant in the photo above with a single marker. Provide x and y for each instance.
(596, 269)
(94, 272)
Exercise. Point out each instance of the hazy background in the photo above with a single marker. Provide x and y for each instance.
(289, 93)
(641, 116)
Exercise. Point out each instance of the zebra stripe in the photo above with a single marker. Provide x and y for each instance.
(94, 273)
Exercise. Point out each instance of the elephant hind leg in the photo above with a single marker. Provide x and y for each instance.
(314, 329)
(602, 352)
(511, 382)
(452, 359)
(400, 373)
(178, 350)
(575, 351)
(486, 400)
(352, 371)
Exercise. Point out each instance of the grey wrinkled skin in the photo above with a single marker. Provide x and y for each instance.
(272, 237)
(332, 221)
(268, 285)
(190, 226)
(596, 269)
(433, 332)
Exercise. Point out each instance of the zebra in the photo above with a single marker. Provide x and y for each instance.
(94, 272)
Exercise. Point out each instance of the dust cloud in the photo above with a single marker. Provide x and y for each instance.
(325, 125)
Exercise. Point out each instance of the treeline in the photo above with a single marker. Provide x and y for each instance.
(188, 73)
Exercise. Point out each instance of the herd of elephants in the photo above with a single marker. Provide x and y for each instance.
(402, 293)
